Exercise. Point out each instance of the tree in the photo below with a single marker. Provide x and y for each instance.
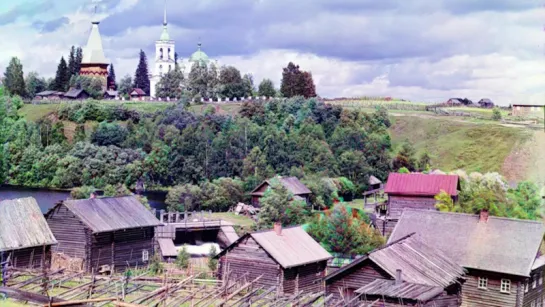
(62, 77)
(34, 84)
(92, 85)
(171, 84)
(125, 85)
(111, 77)
(83, 192)
(405, 157)
(141, 76)
(198, 80)
(424, 163)
(78, 60)
(278, 205)
(182, 260)
(109, 134)
(296, 82)
(248, 82)
(213, 82)
(266, 88)
(14, 81)
(185, 197)
(212, 261)
(72, 65)
(231, 83)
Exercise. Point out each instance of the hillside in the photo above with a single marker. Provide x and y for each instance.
(455, 144)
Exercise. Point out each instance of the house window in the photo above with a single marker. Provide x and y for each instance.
(505, 286)
(482, 283)
(145, 255)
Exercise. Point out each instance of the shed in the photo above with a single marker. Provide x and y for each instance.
(292, 184)
(287, 259)
(49, 95)
(406, 269)
(111, 232)
(111, 94)
(137, 94)
(374, 183)
(528, 110)
(76, 94)
(486, 103)
(25, 236)
(499, 253)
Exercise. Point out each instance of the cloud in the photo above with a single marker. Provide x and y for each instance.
(25, 9)
(51, 25)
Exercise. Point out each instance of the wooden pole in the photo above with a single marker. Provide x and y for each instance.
(78, 302)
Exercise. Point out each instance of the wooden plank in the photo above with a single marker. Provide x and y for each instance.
(238, 291)
(25, 296)
(79, 302)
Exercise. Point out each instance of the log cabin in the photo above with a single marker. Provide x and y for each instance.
(413, 190)
(287, 259)
(106, 234)
(499, 254)
(403, 272)
(292, 184)
(25, 237)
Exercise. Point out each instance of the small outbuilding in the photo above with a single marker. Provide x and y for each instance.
(486, 103)
(292, 184)
(49, 95)
(111, 95)
(528, 110)
(288, 259)
(137, 94)
(25, 237)
(76, 94)
(110, 233)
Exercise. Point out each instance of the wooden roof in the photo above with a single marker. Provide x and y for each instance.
(74, 93)
(418, 262)
(138, 92)
(292, 184)
(404, 290)
(501, 245)
(23, 225)
(111, 213)
(374, 180)
(416, 184)
(294, 247)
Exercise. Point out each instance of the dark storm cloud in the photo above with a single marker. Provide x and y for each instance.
(51, 25)
(25, 9)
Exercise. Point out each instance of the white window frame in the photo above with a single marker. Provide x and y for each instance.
(505, 285)
(482, 283)
(145, 255)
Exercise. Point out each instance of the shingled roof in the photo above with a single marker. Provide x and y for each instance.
(22, 225)
(416, 184)
(501, 245)
(404, 290)
(293, 248)
(111, 213)
(419, 263)
(292, 184)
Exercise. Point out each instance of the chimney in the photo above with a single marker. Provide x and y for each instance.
(398, 277)
(278, 228)
(483, 217)
(93, 195)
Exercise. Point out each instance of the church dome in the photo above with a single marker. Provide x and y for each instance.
(164, 35)
(199, 57)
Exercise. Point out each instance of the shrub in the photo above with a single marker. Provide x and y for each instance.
(83, 192)
(212, 262)
(109, 134)
(182, 260)
(496, 114)
(156, 266)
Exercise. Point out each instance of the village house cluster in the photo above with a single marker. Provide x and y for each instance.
(431, 258)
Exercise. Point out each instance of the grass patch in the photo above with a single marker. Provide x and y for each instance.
(458, 145)
(11, 303)
(239, 220)
(224, 108)
(34, 112)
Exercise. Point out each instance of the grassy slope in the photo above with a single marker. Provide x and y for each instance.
(239, 220)
(455, 144)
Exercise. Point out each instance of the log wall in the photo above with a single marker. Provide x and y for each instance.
(396, 204)
(472, 296)
(535, 295)
(70, 232)
(30, 258)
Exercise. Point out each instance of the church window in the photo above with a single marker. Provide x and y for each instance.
(161, 70)
(161, 53)
(169, 67)
(169, 55)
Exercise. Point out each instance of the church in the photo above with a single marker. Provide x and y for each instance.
(94, 63)
(164, 60)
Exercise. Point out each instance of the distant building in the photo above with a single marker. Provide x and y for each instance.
(501, 255)
(94, 63)
(111, 95)
(454, 101)
(292, 184)
(528, 110)
(25, 237)
(76, 94)
(287, 259)
(374, 183)
(110, 233)
(137, 94)
(49, 95)
(405, 271)
(486, 103)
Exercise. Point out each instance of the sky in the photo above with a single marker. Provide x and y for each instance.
(419, 50)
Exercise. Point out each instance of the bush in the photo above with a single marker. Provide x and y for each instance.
(83, 192)
(156, 266)
(496, 114)
(182, 260)
(109, 134)
(212, 262)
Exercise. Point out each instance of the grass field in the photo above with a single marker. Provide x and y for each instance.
(455, 144)
(239, 220)
(10, 303)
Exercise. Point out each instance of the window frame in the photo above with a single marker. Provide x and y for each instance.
(145, 255)
(505, 285)
(480, 281)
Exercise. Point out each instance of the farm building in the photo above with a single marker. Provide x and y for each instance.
(292, 184)
(49, 95)
(75, 94)
(111, 95)
(374, 183)
(286, 259)
(500, 254)
(486, 103)
(413, 190)
(528, 110)
(137, 94)
(25, 237)
(104, 233)
(403, 272)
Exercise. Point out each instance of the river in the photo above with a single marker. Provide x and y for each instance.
(48, 198)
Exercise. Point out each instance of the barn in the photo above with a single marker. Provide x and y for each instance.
(288, 260)
(25, 237)
(501, 255)
(110, 233)
(292, 184)
(403, 272)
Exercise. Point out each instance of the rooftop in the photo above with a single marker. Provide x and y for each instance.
(404, 290)
(292, 184)
(93, 53)
(421, 184)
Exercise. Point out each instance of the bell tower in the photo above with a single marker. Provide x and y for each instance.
(164, 55)
(94, 63)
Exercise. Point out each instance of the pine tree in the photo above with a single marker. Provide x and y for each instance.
(62, 77)
(141, 77)
(111, 77)
(79, 58)
(14, 80)
(72, 62)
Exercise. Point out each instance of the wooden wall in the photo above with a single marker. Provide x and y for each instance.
(386, 225)
(307, 278)
(396, 204)
(30, 258)
(71, 234)
(472, 296)
(535, 294)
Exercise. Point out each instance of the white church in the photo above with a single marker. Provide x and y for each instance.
(164, 57)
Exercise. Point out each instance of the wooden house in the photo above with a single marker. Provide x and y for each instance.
(500, 254)
(486, 103)
(76, 94)
(374, 183)
(287, 259)
(137, 94)
(25, 237)
(413, 190)
(104, 233)
(111, 95)
(292, 184)
(49, 95)
(528, 110)
(403, 272)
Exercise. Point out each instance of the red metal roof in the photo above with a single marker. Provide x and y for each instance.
(421, 184)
